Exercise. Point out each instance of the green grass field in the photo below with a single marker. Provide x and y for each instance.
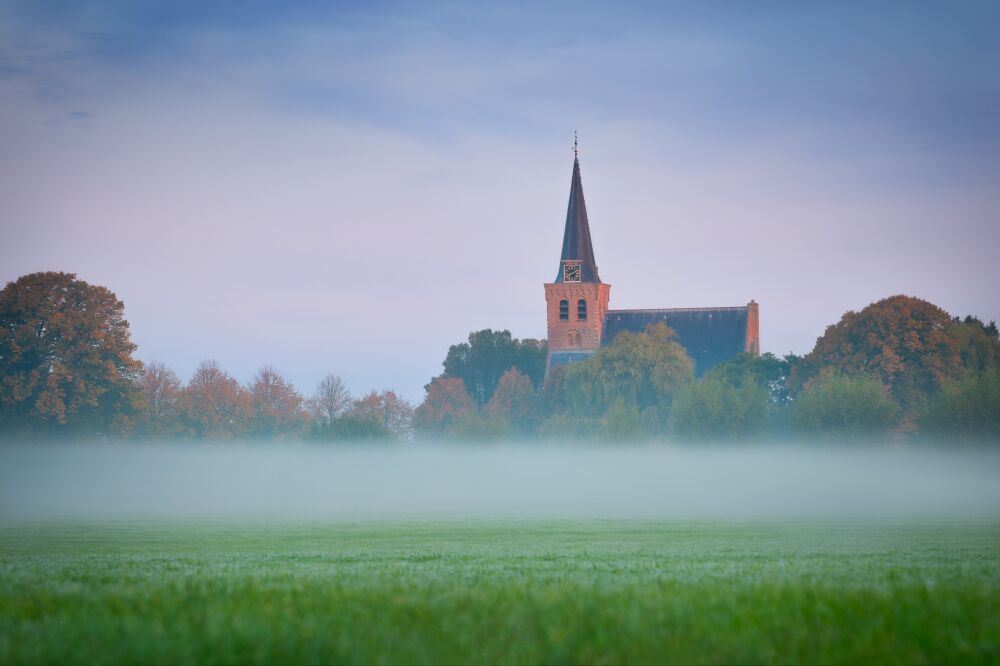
(567, 592)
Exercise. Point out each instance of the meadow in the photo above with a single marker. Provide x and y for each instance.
(531, 591)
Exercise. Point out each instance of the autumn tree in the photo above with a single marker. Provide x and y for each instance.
(514, 403)
(908, 344)
(446, 404)
(487, 355)
(277, 408)
(386, 408)
(644, 370)
(161, 390)
(214, 405)
(66, 361)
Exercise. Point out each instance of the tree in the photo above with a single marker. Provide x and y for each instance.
(910, 345)
(553, 392)
(622, 422)
(330, 400)
(846, 406)
(514, 403)
(161, 391)
(387, 409)
(644, 370)
(214, 405)
(354, 426)
(978, 344)
(276, 406)
(66, 361)
(487, 355)
(968, 408)
(446, 404)
(714, 408)
(766, 371)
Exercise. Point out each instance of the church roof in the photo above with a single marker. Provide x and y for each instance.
(710, 335)
(576, 238)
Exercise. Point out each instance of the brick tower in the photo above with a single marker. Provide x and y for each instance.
(577, 300)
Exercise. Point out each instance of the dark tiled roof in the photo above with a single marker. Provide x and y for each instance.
(710, 335)
(558, 358)
(576, 238)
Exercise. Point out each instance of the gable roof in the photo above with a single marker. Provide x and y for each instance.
(710, 335)
(576, 238)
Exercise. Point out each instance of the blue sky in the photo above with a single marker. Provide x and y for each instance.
(352, 187)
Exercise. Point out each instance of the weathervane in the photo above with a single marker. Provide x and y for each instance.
(576, 149)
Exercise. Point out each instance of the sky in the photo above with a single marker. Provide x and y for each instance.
(353, 187)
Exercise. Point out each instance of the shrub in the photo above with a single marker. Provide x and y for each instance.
(716, 409)
(839, 405)
(968, 408)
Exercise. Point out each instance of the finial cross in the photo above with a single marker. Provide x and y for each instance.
(576, 148)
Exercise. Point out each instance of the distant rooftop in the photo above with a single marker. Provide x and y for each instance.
(710, 335)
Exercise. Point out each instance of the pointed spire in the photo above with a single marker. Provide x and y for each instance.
(577, 247)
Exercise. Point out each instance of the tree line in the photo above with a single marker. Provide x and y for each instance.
(67, 370)
(899, 368)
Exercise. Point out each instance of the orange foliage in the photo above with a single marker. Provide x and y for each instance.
(213, 405)
(907, 343)
(514, 400)
(387, 409)
(65, 356)
(446, 404)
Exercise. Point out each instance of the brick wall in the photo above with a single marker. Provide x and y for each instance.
(753, 328)
(589, 330)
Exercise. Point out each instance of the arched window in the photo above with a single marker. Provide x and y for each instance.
(564, 309)
(581, 309)
(573, 339)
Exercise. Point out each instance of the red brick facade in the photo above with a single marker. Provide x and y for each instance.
(573, 333)
(753, 328)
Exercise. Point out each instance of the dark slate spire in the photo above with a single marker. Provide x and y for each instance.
(576, 238)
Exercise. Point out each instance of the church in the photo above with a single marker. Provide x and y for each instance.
(580, 321)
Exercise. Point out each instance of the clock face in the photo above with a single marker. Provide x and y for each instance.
(571, 273)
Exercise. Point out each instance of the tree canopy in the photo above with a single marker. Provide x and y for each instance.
(446, 404)
(213, 405)
(488, 354)
(66, 361)
(968, 407)
(644, 370)
(714, 408)
(276, 407)
(766, 371)
(66, 367)
(515, 403)
(912, 346)
(842, 405)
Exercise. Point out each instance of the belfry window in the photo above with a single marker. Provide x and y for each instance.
(581, 309)
(564, 309)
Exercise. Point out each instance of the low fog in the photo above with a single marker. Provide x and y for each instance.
(402, 482)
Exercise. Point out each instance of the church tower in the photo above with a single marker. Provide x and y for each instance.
(577, 300)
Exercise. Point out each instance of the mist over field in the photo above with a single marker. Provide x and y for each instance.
(95, 482)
